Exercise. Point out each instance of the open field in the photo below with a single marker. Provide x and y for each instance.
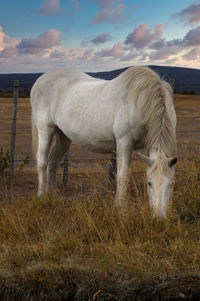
(74, 245)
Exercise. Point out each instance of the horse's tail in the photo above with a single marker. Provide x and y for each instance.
(34, 137)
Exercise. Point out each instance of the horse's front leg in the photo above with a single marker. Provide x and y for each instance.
(124, 151)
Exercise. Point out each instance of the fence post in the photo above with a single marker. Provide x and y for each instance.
(65, 168)
(13, 130)
(113, 167)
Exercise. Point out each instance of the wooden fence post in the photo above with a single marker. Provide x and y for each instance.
(65, 168)
(13, 130)
(113, 167)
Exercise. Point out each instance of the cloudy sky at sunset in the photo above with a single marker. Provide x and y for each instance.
(98, 35)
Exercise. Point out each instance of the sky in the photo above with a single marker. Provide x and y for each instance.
(98, 35)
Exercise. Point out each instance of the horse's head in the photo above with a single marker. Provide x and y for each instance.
(160, 179)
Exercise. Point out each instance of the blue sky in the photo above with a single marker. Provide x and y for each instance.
(97, 35)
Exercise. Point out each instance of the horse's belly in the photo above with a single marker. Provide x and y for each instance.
(99, 146)
(94, 136)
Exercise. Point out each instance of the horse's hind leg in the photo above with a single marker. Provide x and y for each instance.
(60, 147)
(45, 136)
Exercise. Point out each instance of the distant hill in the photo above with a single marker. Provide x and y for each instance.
(186, 80)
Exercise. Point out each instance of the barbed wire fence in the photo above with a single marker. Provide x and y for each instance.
(23, 118)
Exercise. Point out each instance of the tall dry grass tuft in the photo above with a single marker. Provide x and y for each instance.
(80, 247)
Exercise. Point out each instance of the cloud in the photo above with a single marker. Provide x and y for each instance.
(8, 52)
(102, 38)
(163, 54)
(49, 8)
(190, 15)
(192, 38)
(164, 49)
(6, 41)
(131, 55)
(145, 45)
(46, 40)
(158, 44)
(115, 51)
(110, 11)
(2, 36)
(87, 55)
(143, 36)
(193, 54)
(162, 43)
(58, 54)
(71, 54)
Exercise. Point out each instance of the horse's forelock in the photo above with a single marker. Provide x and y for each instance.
(161, 164)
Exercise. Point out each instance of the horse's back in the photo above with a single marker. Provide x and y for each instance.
(49, 88)
(56, 78)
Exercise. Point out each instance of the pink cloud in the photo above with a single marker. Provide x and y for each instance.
(115, 51)
(190, 15)
(102, 38)
(192, 38)
(58, 54)
(131, 55)
(193, 54)
(158, 44)
(8, 52)
(143, 36)
(46, 40)
(164, 49)
(71, 54)
(163, 53)
(6, 41)
(50, 8)
(110, 11)
(87, 55)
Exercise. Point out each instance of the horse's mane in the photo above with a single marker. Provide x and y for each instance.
(156, 97)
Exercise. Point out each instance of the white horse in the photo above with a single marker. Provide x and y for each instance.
(132, 111)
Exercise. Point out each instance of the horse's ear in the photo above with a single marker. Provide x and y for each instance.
(145, 159)
(172, 161)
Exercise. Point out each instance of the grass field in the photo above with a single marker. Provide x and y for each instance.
(75, 245)
(79, 247)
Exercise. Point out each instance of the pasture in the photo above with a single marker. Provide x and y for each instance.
(75, 245)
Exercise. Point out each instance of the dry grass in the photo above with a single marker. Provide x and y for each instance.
(79, 247)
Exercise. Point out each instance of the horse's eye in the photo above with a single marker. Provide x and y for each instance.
(149, 184)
